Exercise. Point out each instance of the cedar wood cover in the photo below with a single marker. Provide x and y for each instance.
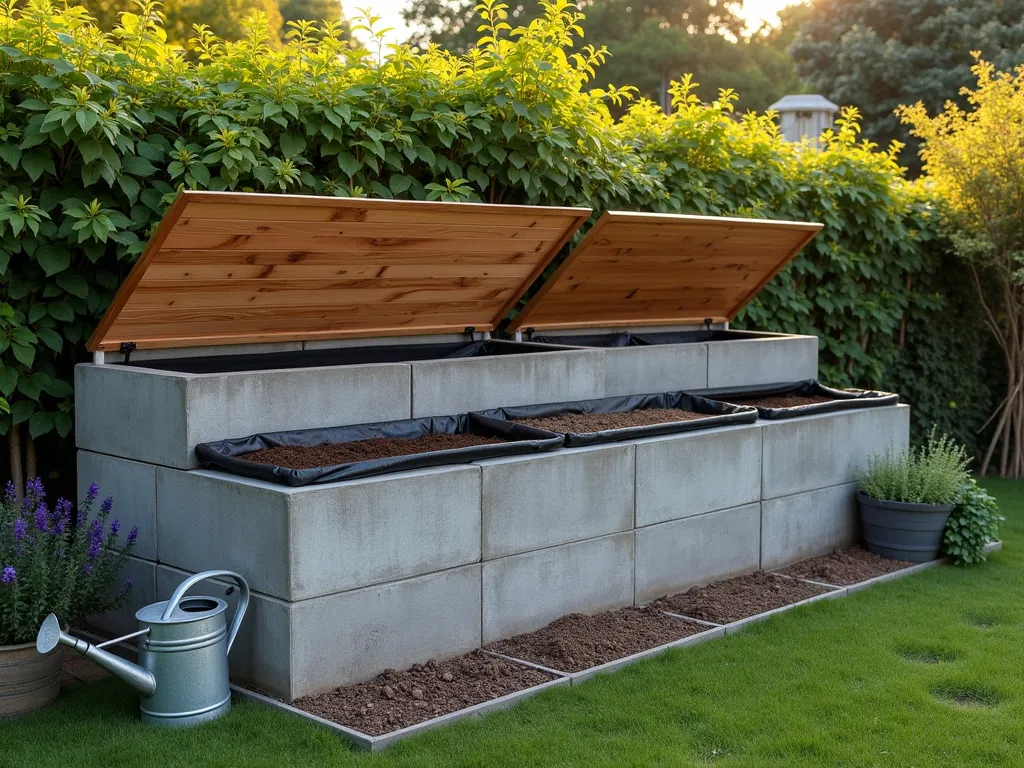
(231, 268)
(634, 269)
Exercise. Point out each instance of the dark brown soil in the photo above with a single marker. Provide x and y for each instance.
(581, 423)
(577, 642)
(845, 567)
(394, 700)
(781, 401)
(331, 454)
(738, 598)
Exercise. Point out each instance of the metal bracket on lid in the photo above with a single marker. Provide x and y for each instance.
(470, 330)
(707, 323)
(127, 347)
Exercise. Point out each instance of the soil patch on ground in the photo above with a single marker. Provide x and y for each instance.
(577, 642)
(331, 454)
(581, 423)
(734, 599)
(395, 700)
(781, 401)
(845, 567)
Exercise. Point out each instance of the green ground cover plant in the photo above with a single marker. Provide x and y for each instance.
(918, 671)
(933, 473)
(974, 522)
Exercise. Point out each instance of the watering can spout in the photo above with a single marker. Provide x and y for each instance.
(140, 678)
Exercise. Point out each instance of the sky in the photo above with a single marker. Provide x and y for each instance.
(390, 12)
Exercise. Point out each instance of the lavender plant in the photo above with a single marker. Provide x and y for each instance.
(50, 564)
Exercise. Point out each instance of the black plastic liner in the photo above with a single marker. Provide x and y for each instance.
(719, 415)
(224, 454)
(630, 339)
(844, 400)
(315, 358)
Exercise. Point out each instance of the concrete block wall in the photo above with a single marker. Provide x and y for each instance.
(765, 360)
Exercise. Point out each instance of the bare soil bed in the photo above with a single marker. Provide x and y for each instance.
(331, 454)
(733, 599)
(781, 401)
(845, 567)
(581, 423)
(395, 700)
(577, 642)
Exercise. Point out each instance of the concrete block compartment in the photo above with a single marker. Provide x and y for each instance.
(260, 313)
(657, 292)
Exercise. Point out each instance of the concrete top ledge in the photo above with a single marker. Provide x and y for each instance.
(227, 477)
(141, 369)
(695, 433)
(831, 414)
(624, 444)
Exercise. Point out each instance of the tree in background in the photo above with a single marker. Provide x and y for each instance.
(975, 160)
(879, 54)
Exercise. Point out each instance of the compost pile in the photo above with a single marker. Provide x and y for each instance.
(394, 700)
(734, 599)
(331, 454)
(577, 642)
(580, 423)
(782, 401)
(845, 567)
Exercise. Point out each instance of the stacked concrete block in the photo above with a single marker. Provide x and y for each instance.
(768, 359)
(659, 368)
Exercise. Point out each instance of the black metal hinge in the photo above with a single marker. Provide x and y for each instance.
(127, 347)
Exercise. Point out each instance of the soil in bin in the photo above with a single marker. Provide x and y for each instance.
(581, 423)
(781, 401)
(734, 599)
(331, 454)
(845, 566)
(395, 700)
(577, 642)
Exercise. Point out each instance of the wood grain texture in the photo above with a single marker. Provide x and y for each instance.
(233, 268)
(637, 269)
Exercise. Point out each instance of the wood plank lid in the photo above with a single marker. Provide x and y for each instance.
(232, 268)
(635, 269)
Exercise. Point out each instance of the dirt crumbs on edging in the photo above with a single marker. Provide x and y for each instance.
(845, 566)
(395, 700)
(734, 599)
(331, 454)
(782, 401)
(581, 423)
(577, 642)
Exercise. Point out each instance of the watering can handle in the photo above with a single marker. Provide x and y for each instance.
(191, 581)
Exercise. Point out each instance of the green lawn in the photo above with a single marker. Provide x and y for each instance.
(925, 671)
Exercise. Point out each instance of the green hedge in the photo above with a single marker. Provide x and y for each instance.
(98, 133)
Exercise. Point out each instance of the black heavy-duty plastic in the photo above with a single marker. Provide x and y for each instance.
(843, 400)
(719, 415)
(225, 454)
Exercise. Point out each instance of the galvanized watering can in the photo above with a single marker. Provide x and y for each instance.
(184, 644)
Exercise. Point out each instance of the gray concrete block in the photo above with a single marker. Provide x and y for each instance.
(443, 387)
(812, 452)
(808, 524)
(525, 592)
(766, 360)
(530, 502)
(144, 590)
(352, 636)
(697, 472)
(133, 486)
(658, 368)
(298, 543)
(674, 556)
(160, 416)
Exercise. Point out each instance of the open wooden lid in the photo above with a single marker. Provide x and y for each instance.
(233, 268)
(635, 269)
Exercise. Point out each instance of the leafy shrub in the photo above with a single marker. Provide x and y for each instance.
(974, 522)
(48, 565)
(934, 473)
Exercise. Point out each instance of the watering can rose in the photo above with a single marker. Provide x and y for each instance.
(52, 561)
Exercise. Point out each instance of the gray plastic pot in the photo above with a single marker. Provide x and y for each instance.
(903, 531)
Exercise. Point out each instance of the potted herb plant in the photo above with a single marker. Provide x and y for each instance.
(51, 563)
(906, 497)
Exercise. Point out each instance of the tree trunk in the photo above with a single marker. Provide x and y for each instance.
(31, 471)
(14, 448)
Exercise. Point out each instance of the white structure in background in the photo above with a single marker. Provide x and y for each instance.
(805, 116)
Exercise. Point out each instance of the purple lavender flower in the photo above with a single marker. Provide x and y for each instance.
(9, 575)
(115, 527)
(107, 505)
(133, 533)
(61, 516)
(93, 492)
(95, 539)
(128, 583)
(87, 569)
(41, 514)
(20, 529)
(10, 492)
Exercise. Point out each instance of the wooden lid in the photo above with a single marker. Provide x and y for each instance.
(635, 269)
(233, 268)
